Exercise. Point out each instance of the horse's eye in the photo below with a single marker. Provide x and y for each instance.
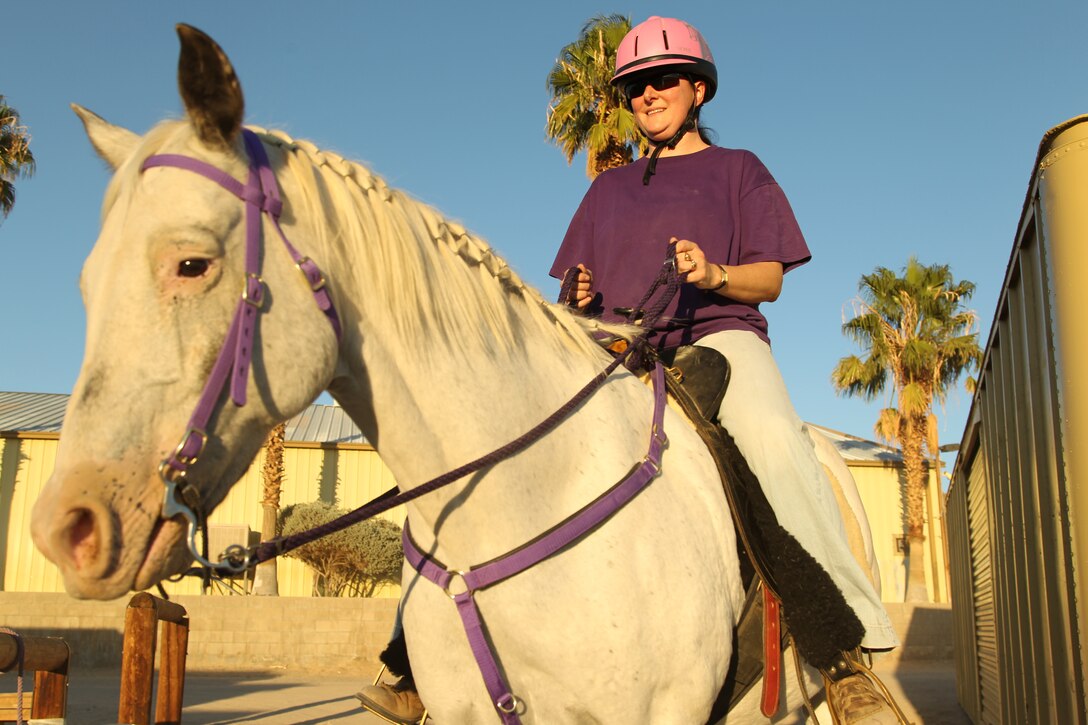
(193, 268)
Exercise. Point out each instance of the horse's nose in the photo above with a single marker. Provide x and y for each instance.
(81, 534)
(77, 537)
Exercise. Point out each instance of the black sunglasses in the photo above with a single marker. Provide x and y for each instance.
(637, 86)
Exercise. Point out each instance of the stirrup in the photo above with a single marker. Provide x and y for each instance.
(849, 664)
(377, 681)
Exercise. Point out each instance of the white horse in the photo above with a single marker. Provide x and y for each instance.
(445, 355)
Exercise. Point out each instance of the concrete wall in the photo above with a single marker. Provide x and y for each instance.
(237, 633)
(925, 631)
(313, 634)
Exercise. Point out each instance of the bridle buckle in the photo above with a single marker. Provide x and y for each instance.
(315, 285)
(253, 291)
(188, 459)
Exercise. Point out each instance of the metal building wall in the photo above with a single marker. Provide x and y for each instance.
(881, 486)
(1017, 551)
(25, 463)
(347, 475)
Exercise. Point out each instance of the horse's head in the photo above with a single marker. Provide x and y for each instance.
(160, 288)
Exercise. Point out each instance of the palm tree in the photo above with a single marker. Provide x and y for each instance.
(266, 581)
(918, 339)
(16, 160)
(586, 112)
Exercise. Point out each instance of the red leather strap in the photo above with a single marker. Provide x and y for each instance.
(772, 654)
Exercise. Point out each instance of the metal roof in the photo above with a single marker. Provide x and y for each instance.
(32, 412)
(324, 424)
(44, 413)
(853, 448)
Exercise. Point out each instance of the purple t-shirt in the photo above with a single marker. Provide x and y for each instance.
(722, 199)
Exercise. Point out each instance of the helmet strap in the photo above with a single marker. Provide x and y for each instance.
(689, 124)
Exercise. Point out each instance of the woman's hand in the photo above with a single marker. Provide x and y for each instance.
(693, 267)
(581, 292)
(751, 283)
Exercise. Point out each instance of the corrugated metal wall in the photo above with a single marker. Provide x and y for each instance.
(347, 475)
(1018, 554)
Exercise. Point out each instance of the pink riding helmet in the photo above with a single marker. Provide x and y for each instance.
(659, 42)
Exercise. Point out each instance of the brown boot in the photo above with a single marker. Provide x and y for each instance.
(397, 703)
(855, 700)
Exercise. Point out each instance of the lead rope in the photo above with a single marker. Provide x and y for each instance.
(274, 547)
(667, 277)
(19, 656)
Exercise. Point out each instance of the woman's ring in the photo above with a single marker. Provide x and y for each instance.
(687, 257)
(694, 265)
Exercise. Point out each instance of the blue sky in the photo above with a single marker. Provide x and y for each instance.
(896, 129)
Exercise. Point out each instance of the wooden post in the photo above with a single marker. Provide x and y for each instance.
(50, 693)
(138, 660)
(142, 619)
(175, 642)
(48, 658)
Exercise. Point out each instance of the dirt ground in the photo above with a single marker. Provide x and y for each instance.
(925, 689)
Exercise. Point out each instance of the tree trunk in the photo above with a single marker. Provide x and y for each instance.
(266, 578)
(916, 474)
(916, 571)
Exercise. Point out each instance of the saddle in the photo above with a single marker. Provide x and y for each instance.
(698, 378)
(774, 567)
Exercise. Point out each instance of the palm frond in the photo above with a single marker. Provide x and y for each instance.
(917, 338)
(586, 112)
(16, 158)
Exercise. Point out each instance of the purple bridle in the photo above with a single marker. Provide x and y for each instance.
(261, 196)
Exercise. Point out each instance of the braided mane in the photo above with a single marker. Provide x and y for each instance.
(411, 265)
(427, 273)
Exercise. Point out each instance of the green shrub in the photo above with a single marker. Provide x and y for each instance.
(353, 561)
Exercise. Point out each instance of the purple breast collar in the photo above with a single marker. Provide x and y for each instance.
(524, 557)
(261, 195)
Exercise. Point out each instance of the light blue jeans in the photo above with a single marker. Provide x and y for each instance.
(758, 413)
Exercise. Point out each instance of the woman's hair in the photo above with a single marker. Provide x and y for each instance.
(707, 134)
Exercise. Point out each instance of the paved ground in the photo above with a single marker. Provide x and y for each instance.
(926, 690)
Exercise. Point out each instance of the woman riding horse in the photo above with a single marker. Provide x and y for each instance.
(735, 236)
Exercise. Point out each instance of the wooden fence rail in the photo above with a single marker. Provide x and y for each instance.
(47, 658)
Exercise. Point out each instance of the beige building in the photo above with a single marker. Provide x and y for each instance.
(327, 459)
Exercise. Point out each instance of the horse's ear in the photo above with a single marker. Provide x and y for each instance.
(209, 88)
(113, 143)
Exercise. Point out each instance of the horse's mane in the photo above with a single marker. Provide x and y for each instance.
(415, 260)
(421, 258)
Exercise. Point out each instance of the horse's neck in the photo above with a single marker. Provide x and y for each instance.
(428, 409)
(426, 419)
